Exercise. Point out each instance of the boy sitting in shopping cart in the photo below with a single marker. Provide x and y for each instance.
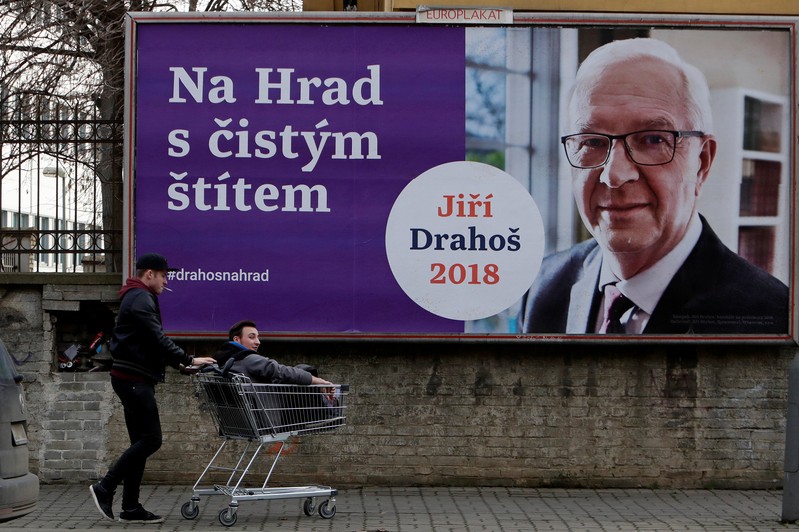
(242, 347)
(301, 400)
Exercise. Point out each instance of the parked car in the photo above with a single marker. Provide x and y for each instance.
(19, 489)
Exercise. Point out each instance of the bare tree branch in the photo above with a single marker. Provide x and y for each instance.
(61, 56)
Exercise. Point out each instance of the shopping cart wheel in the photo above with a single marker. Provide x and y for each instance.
(227, 516)
(327, 511)
(308, 506)
(190, 510)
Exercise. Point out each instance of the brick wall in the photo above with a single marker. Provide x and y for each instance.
(72, 412)
(448, 413)
(521, 416)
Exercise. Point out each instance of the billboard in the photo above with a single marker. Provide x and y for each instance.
(379, 177)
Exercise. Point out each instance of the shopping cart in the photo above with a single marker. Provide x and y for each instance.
(263, 414)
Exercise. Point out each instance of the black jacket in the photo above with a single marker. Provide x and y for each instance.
(714, 292)
(139, 346)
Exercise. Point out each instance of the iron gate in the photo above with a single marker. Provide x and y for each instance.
(61, 194)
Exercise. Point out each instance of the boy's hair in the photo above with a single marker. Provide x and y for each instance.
(239, 327)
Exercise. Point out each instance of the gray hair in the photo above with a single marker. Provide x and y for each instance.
(695, 87)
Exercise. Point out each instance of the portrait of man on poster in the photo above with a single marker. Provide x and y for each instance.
(640, 144)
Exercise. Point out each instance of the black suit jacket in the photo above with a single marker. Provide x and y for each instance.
(714, 292)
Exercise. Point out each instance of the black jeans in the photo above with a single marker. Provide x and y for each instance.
(144, 430)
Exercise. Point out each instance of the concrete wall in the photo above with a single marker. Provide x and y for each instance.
(442, 413)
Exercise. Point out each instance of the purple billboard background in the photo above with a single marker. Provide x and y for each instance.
(328, 271)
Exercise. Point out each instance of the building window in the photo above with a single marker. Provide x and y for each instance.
(512, 90)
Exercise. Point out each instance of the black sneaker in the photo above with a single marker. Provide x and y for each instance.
(139, 515)
(103, 500)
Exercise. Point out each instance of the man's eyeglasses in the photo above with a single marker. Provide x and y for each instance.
(647, 148)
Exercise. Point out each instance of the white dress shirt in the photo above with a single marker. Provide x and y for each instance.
(645, 288)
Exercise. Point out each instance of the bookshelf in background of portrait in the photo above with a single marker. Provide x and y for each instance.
(746, 197)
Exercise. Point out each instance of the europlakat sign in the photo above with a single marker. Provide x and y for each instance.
(464, 15)
(391, 177)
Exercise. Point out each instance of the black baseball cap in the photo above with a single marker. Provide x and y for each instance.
(153, 261)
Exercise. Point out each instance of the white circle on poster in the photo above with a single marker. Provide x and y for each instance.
(465, 240)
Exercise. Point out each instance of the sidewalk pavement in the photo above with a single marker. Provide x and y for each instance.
(69, 507)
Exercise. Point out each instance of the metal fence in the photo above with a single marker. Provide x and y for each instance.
(60, 166)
